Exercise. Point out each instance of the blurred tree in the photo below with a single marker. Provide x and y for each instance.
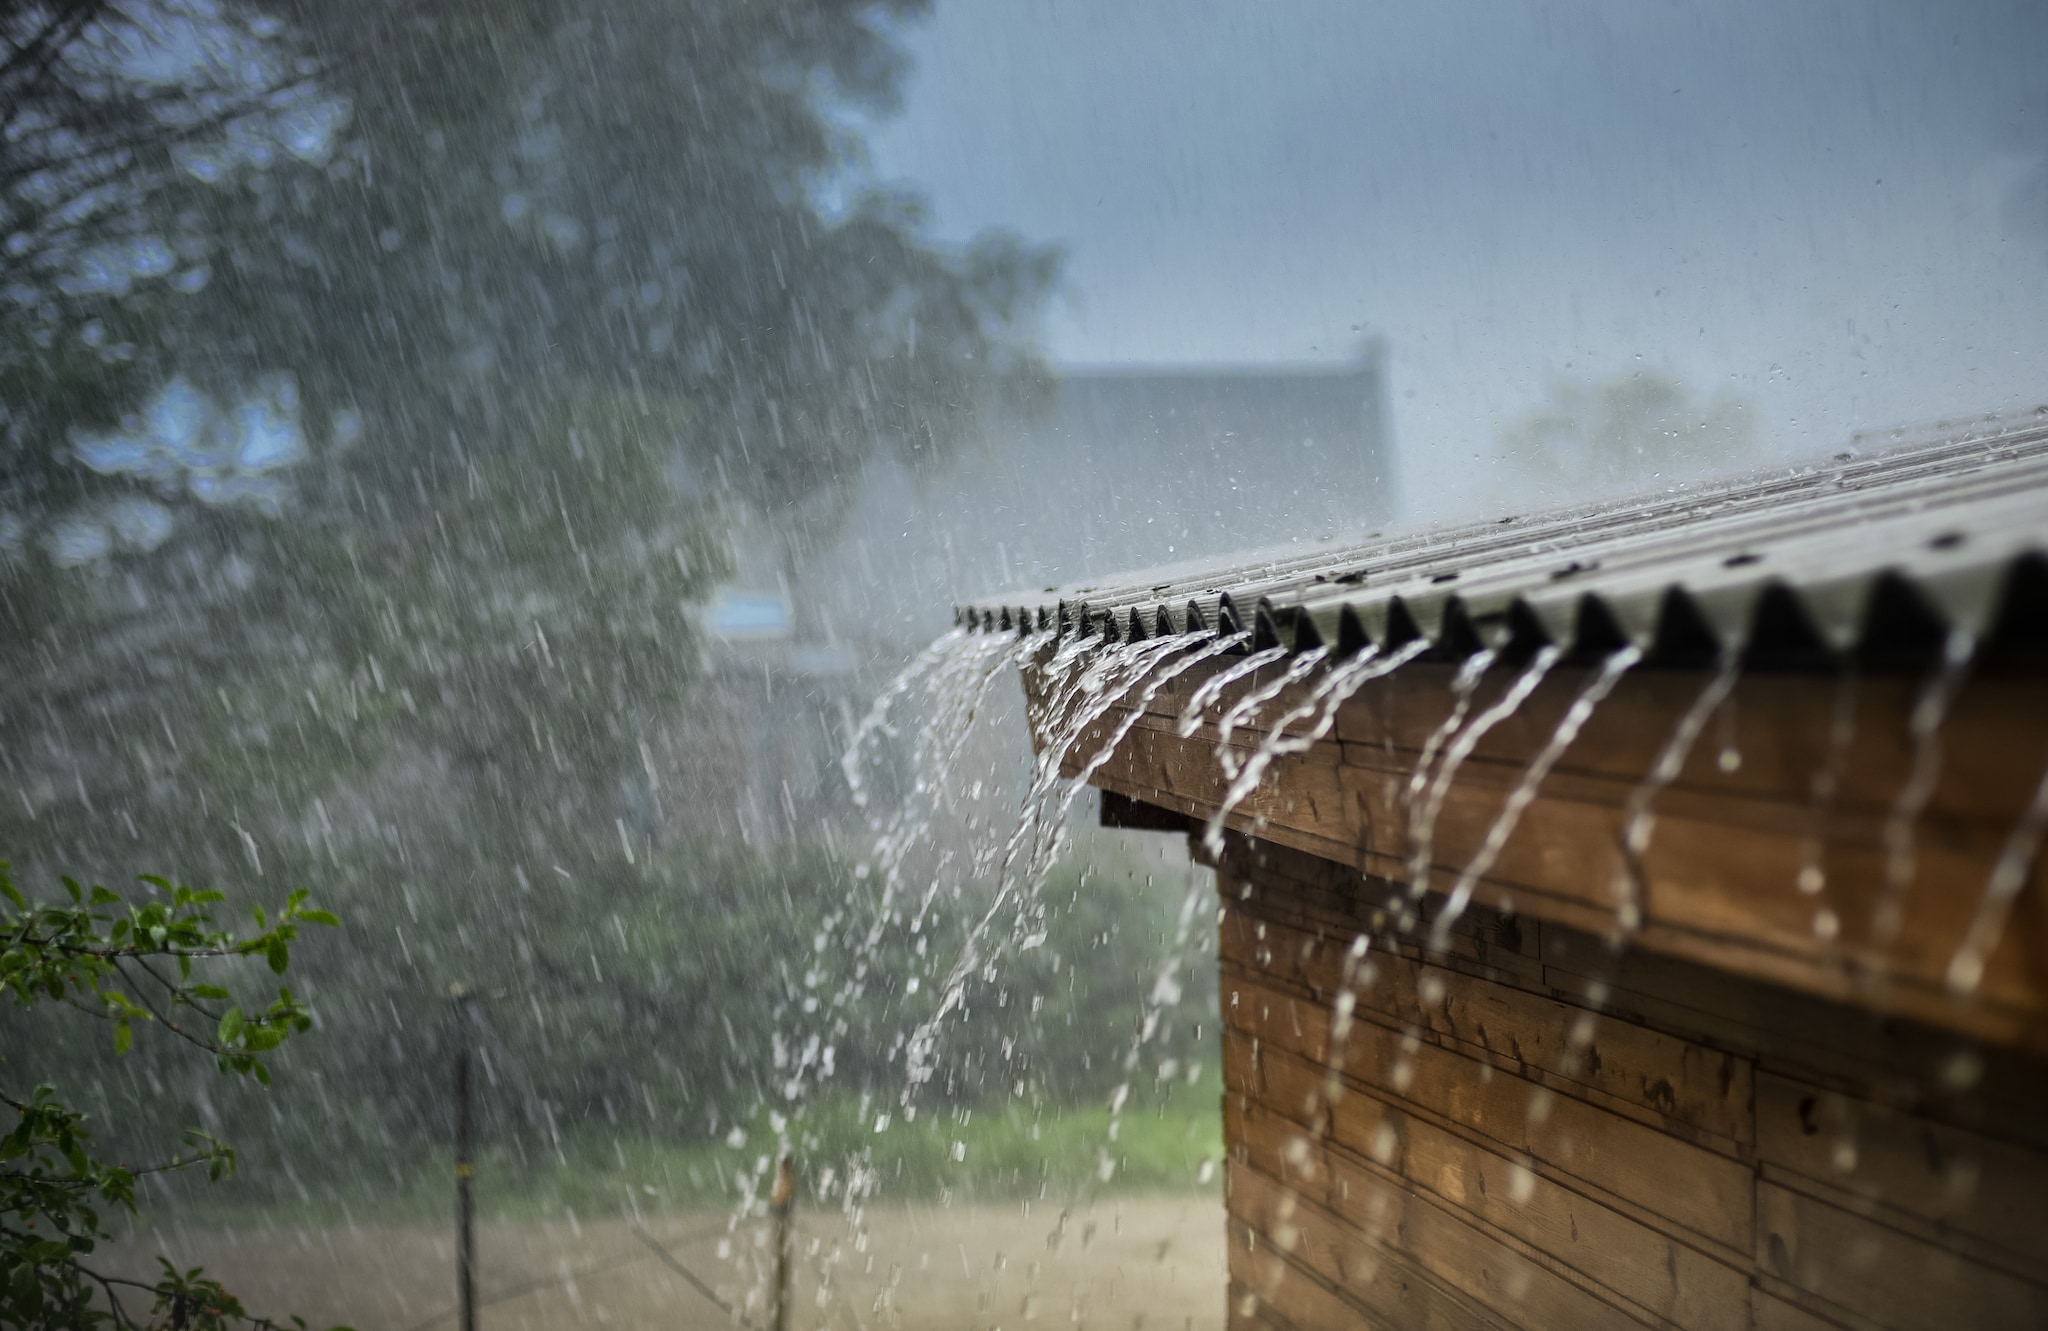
(1629, 430)
(648, 200)
(105, 106)
(509, 243)
(512, 242)
(531, 298)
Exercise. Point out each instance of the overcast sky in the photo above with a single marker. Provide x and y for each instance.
(1837, 212)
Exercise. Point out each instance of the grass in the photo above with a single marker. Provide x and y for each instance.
(1171, 1143)
(1166, 1140)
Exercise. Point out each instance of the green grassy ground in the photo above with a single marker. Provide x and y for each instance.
(1174, 1142)
(1166, 1140)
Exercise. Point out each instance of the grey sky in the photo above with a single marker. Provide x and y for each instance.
(1836, 211)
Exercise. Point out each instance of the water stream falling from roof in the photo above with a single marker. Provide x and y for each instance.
(1336, 688)
(1639, 819)
(1110, 673)
(957, 673)
(1136, 711)
(1590, 696)
(1966, 968)
(1083, 679)
(1826, 787)
(1212, 688)
(1421, 825)
(1162, 998)
(1937, 695)
(1091, 694)
(1246, 710)
(1420, 865)
(853, 762)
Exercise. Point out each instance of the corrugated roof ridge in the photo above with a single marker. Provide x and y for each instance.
(1803, 552)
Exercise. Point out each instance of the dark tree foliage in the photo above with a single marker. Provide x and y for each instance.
(539, 296)
(105, 105)
(537, 284)
(631, 197)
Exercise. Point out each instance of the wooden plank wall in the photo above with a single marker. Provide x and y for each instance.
(1733, 832)
(1533, 1131)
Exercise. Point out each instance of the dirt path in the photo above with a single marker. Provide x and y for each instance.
(1147, 1264)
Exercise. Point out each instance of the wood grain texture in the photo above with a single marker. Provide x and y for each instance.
(1945, 1184)
(1622, 1065)
(1804, 1165)
(1732, 834)
(1884, 1275)
(1757, 1109)
(1595, 1247)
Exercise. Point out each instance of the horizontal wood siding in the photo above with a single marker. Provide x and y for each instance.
(1732, 832)
(1530, 1129)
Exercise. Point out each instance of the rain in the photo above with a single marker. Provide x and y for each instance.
(942, 663)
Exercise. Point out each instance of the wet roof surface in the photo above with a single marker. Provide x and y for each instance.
(1896, 548)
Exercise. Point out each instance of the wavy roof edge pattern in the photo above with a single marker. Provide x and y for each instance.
(1899, 551)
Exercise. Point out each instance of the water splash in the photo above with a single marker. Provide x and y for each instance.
(1323, 702)
(1639, 819)
(1083, 681)
(1455, 754)
(1923, 728)
(876, 722)
(957, 673)
(2008, 877)
(1574, 720)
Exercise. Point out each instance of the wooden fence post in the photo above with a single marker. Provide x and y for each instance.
(782, 1206)
(465, 1167)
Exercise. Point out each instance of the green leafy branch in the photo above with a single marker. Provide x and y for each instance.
(100, 961)
(129, 964)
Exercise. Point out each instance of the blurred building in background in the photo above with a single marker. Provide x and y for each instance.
(1120, 467)
(1124, 467)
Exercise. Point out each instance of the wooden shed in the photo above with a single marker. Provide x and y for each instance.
(1640, 923)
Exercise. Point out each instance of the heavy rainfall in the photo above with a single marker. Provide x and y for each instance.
(580, 745)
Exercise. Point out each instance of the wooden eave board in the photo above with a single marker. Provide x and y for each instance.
(1720, 881)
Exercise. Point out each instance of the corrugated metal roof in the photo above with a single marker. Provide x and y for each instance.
(1893, 551)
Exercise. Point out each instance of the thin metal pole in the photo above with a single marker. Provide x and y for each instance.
(782, 1205)
(465, 1169)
